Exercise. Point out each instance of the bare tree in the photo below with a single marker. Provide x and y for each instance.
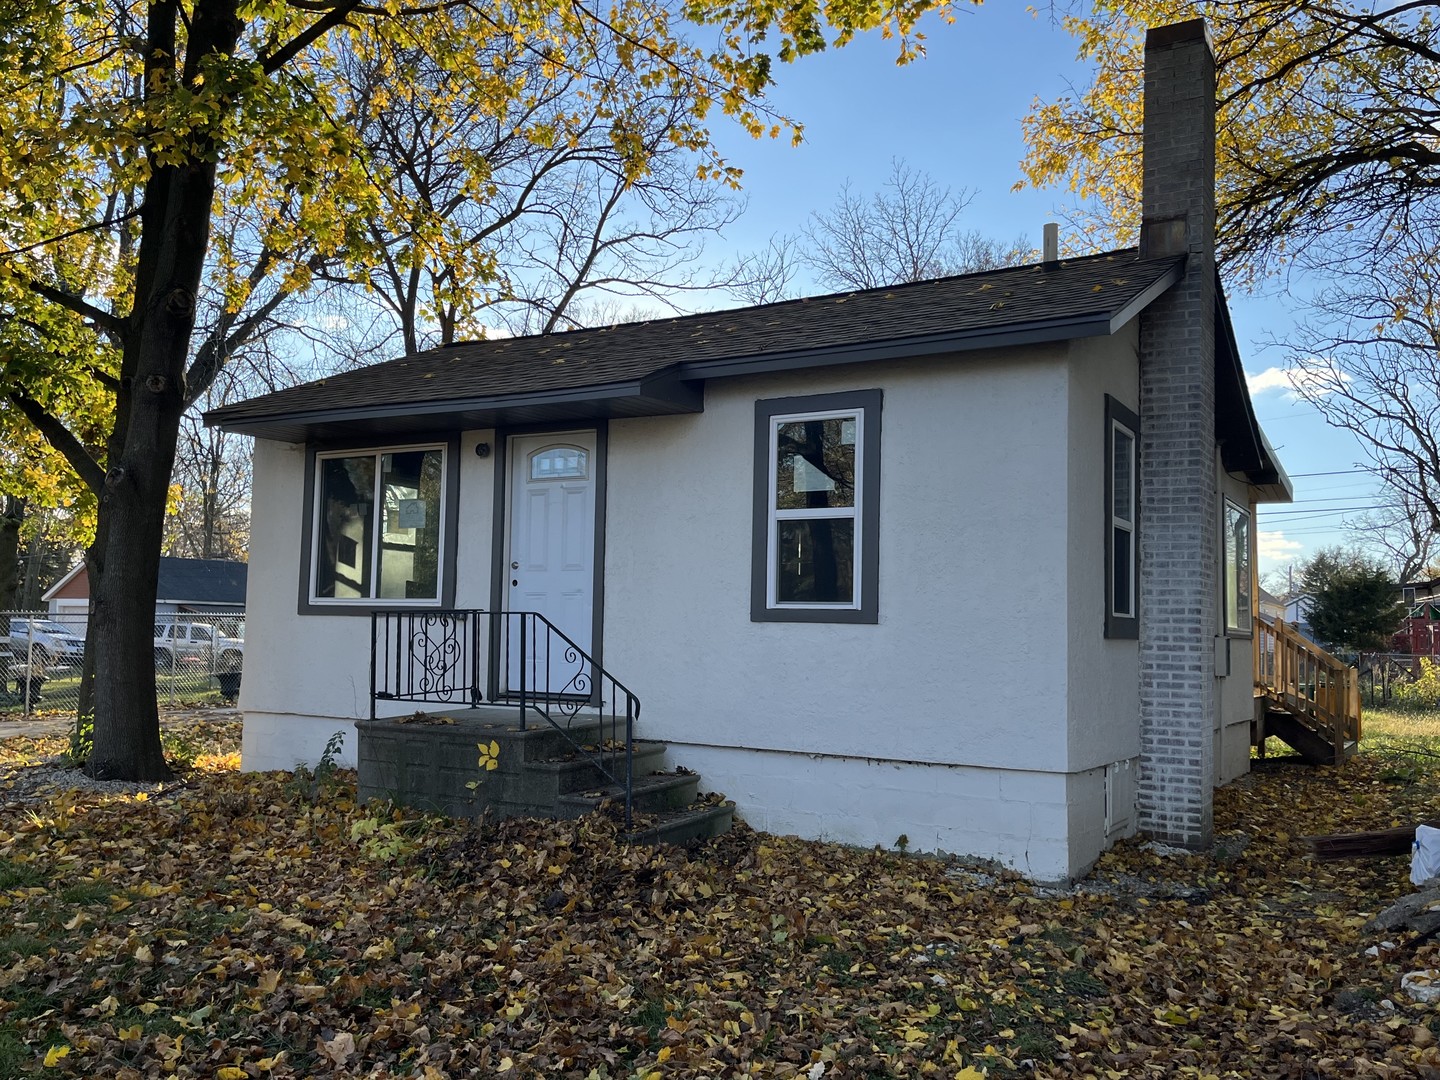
(1403, 532)
(909, 230)
(1369, 360)
(768, 275)
(479, 221)
(211, 515)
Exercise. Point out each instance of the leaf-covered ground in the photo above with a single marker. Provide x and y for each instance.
(265, 926)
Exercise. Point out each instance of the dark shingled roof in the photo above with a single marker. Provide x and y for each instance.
(201, 581)
(652, 368)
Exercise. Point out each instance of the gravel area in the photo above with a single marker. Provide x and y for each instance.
(48, 778)
(37, 778)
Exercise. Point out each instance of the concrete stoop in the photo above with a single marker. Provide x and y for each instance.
(429, 760)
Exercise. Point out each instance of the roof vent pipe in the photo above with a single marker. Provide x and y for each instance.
(1052, 244)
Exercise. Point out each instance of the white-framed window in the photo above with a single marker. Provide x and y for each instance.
(1122, 475)
(376, 525)
(1236, 530)
(817, 508)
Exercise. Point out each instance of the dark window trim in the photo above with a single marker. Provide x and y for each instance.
(868, 402)
(1123, 627)
(1234, 630)
(449, 528)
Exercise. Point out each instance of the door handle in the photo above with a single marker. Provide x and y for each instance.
(514, 566)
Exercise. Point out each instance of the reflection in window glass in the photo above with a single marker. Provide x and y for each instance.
(815, 500)
(1237, 568)
(1124, 459)
(378, 535)
(1122, 521)
(815, 464)
(410, 546)
(346, 507)
(816, 561)
(558, 463)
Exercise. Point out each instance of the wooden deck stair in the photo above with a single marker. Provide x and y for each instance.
(1304, 696)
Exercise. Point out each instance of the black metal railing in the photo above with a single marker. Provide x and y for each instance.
(519, 659)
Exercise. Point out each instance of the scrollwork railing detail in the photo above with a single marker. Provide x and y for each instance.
(514, 658)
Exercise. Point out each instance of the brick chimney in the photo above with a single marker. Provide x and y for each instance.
(1179, 529)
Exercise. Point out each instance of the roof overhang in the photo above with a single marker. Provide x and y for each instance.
(1244, 448)
(662, 395)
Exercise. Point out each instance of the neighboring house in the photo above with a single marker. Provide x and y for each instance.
(186, 586)
(1271, 606)
(1419, 633)
(1416, 591)
(795, 532)
(1297, 612)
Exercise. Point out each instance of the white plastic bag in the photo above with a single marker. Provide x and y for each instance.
(1425, 855)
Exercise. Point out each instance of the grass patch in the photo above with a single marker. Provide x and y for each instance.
(1398, 728)
(85, 893)
(18, 944)
(19, 875)
(14, 1054)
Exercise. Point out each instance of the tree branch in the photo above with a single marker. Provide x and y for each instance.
(102, 319)
(61, 438)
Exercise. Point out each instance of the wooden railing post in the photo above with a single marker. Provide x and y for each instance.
(1311, 682)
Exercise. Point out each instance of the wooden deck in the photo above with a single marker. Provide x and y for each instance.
(1304, 696)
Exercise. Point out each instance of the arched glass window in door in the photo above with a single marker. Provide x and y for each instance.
(559, 463)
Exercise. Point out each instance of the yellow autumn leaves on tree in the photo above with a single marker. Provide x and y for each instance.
(1326, 144)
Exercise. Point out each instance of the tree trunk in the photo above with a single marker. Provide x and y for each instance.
(85, 695)
(175, 234)
(210, 512)
(11, 516)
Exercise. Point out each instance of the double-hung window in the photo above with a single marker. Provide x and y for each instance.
(1236, 525)
(377, 526)
(817, 504)
(1122, 578)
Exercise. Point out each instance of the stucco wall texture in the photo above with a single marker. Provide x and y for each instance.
(979, 715)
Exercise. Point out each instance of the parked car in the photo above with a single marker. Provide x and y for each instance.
(44, 642)
(181, 641)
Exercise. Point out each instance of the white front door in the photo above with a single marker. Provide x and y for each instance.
(550, 565)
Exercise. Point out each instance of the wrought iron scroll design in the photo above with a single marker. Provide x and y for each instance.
(443, 657)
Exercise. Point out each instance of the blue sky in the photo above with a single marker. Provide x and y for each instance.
(955, 114)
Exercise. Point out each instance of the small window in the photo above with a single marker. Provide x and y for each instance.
(817, 509)
(1237, 568)
(1122, 459)
(559, 463)
(376, 532)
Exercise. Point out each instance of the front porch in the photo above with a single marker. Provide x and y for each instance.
(530, 725)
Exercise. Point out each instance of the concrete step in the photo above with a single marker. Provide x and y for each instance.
(699, 821)
(554, 777)
(652, 793)
(538, 740)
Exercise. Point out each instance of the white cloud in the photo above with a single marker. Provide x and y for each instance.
(1288, 379)
(1272, 378)
(1274, 546)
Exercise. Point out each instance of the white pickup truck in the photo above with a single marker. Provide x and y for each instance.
(179, 641)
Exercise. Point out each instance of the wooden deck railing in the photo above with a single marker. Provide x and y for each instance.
(1298, 674)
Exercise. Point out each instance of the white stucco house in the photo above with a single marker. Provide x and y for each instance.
(799, 533)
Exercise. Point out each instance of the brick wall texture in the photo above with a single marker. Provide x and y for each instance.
(1179, 537)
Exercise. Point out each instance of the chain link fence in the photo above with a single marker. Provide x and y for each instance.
(198, 658)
